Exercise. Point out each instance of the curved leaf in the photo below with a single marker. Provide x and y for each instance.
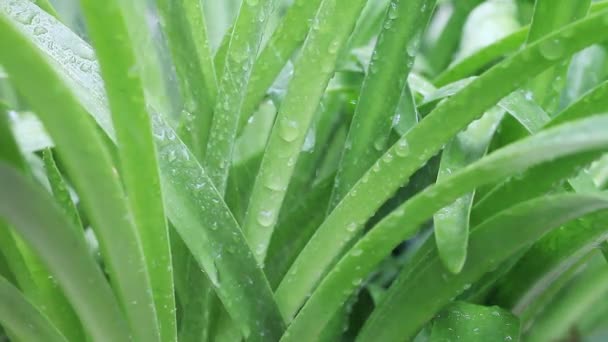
(44, 227)
(192, 203)
(104, 199)
(474, 323)
(329, 32)
(404, 222)
(420, 291)
(22, 318)
(139, 166)
(381, 91)
(416, 147)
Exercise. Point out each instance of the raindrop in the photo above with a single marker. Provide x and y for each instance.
(552, 49)
(25, 17)
(403, 148)
(38, 30)
(356, 252)
(388, 157)
(380, 144)
(85, 67)
(289, 130)
(266, 218)
(333, 47)
(352, 227)
(392, 12)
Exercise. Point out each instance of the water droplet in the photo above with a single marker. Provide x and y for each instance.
(412, 45)
(356, 252)
(289, 130)
(85, 67)
(357, 281)
(388, 157)
(38, 30)
(333, 47)
(380, 144)
(392, 11)
(351, 227)
(275, 184)
(266, 218)
(25, 17)
(552, 49)
(403, 148)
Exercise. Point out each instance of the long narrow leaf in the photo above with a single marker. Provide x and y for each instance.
(193, 205)
(405, 221)
(417, 146)
(48, 232)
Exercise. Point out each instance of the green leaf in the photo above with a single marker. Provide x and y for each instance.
(415, 148)
(50, 234)
(474, 63)
(103, 199)
(462, 321)
(420, 290)
(286, 38)
(451, 223)
(23, 319)
(196, 85)
(381, 91)
(572, 303)
(329, 32)
(547, 17)
(30, 273)
(107, 24)
(405, 221)
(245, 41)
(192, 203)
(441, 50)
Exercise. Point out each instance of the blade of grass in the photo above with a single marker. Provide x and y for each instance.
(104, 199)
(474, 323)
(23, 319)
(570, 304)
(44, 227)
(490, 243)
(547, 86)
(30, 273)
(381, 91)
(538, 181)
(60, 191)
(107, 26)
(329, 32)
(196, 86)
(405, 221)
(193, 205)
(441, 51)
(418, 146)
(287, 37)
(451, 223)
(586, 71)
(471, 64)
(245, 41)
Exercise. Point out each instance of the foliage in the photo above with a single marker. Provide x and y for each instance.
(303, 170)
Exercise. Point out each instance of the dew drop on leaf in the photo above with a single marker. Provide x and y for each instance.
(552, 49)
(289, 130)
(403, 148)
(266, 218)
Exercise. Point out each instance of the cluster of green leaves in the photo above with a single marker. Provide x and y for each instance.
(306, 170)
